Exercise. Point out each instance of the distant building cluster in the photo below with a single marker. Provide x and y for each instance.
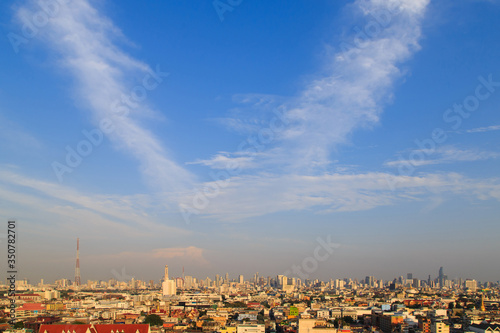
(278, 304)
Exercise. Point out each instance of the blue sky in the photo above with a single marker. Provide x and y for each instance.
(229, 136)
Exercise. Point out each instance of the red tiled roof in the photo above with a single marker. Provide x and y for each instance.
(66, 328)
(119, 328)
(97, 328)
(32, 307)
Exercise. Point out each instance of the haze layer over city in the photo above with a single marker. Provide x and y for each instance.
(349, 139)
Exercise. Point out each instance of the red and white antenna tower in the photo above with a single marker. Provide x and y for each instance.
(77, 268)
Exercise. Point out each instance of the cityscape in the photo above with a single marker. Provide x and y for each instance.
(258, 304)
(246, 166)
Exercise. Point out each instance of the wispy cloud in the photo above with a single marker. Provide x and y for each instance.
(295, 159)
(352, 90)
(224, 159)
(358, 82)
(484, 129)
(250, 196)
(445, 155)
(128, 214)
(85, 43)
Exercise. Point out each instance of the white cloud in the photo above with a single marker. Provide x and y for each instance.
(359, 82)
(85, 44)
(250, 196)
(349, 94)
(225, 160)
(484, 129)
(445, 155)
(128, 214)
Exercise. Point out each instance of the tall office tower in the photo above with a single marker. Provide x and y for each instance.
(409, 276)
(369, 281)
(77, 268)
(227, 278)
(441, 277)
(168, 287)
(241, 279)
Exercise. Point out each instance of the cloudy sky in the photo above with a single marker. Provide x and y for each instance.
(239, 136)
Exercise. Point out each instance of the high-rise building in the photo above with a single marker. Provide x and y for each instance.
(241, 279)
(168, 286)
(471, 284)
(369, 280)
(77, 268)
(441, 277)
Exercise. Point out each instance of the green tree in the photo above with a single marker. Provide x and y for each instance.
(153, 320)
(19, 325)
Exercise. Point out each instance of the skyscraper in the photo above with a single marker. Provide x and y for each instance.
(441, 277)
(168, 286)
(77, 268)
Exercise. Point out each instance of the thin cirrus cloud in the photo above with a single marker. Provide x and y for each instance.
(84, 42)
(60, 204)
(446, 155)
(484, 129)
(253, 196)
(224, 159)
(355, 86)
(358, 82)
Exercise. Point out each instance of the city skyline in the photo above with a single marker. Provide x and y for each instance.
(341, 138)
(124, 276)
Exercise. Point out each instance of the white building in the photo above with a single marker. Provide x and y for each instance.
(169, 287)
(440, 328)
(251, 328)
